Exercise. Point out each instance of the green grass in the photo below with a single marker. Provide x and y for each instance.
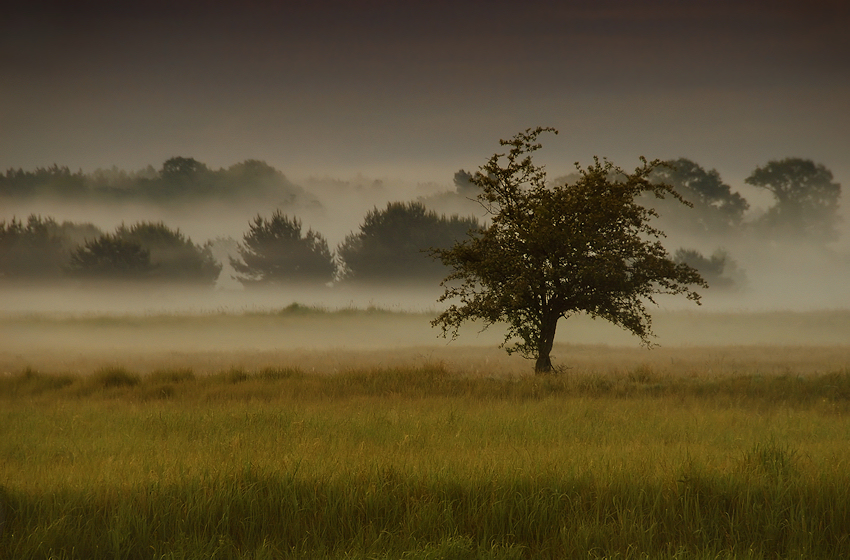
(424, 462)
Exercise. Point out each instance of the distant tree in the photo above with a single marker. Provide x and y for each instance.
(464, 184)
(181, 178)
(275, 251)
(716, 209)
(146, 252)
(254, 178)
(460, 201)
(806, 198)
(14, 184)
(392, 244)
(718, 270)
(551, 251)
(113, 183)
(109, 257)
(182, 169)
(31, 250)
(173, 255)
(54, 182)
(39, 249)
(73, 234)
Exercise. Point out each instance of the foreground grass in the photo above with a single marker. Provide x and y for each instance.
(424, 463)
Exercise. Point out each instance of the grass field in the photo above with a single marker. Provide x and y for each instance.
(715, 451)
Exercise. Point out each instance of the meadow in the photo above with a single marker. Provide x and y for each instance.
(737, 449)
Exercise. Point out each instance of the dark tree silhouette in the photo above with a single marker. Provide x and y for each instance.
(30, 250)
(39, 250)
(275, 251)
(110, 257)
(257, 179)
(806, 198)
(180, 180)
(182, 169)
(719, 270)
(716, 209)
(464, 185)
(73, 234)
(173, 255)
(392, 244)
(53, 182)
(554, 251)
(145, 251)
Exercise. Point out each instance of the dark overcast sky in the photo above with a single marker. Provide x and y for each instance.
(416, 90)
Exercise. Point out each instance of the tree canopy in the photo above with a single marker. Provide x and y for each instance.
(174, 256)
(179, 180)
(463, 183)
(39, 249)
(109, 257)
(275, 251)
(716, 209)
(393, 243)
(551, 251)
(806, 198)
(719, 270)
(145, 251)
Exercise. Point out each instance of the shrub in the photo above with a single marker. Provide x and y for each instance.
(114, 377)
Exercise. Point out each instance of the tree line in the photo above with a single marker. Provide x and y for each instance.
(805, 200)
(43, 250)
(180, 179)
(804, 210)
(590, 243)
(391, 246)
(805, 193)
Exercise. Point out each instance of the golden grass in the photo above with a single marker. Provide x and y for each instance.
(731, 451)
(325, 341)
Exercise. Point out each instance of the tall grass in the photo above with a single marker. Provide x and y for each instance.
(423, 463)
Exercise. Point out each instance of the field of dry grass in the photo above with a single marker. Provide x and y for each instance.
(229, 436)
(329, 341)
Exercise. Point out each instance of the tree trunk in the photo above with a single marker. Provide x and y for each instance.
(543, 365)
(547, 339)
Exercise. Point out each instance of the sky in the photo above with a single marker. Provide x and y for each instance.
(417, 90)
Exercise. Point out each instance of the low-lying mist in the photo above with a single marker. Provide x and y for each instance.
(333, 207)
(168, 299)
(759, 273)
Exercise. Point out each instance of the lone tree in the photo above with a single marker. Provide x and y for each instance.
(554, 251)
